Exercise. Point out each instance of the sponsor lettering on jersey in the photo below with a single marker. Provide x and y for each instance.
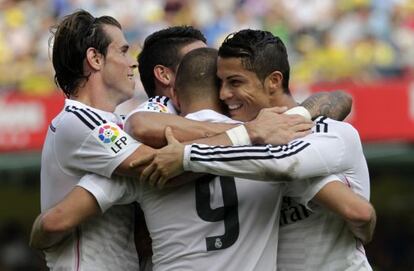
(292, 212)
(157, 107)
(112, 137)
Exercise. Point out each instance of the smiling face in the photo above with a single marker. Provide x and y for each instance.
(118, 69)
(241, 90)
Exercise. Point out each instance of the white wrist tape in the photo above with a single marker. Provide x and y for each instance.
(299, 110)
(239, 136)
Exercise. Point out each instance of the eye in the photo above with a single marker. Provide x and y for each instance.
(235, 83)
(124, 50)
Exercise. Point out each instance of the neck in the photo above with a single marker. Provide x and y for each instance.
(167, 92)
(283, 100)
(195, 106)
(96, 97)
(162, 90)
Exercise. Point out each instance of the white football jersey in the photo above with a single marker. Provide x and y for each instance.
(79, 140)
(215, 223)
(305, 243)
(324, 152)
(322, 241)
(83, 139)
(104, 242)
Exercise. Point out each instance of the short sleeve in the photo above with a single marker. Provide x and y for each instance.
(104, 149)
(110, 192)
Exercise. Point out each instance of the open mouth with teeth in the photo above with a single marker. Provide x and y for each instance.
(234, 106)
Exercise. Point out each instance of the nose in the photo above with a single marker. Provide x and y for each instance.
(133, 62)
(225, 93)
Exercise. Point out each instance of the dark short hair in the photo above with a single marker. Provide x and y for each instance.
(260, 51)
(163, 48)
(71, 39)
(196, 74)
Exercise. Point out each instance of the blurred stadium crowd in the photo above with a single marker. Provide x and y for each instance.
(329, 40)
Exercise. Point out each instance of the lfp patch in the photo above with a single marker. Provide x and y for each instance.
(157, 107)
(108, 133)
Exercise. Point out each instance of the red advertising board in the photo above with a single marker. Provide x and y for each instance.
(382, 110)
(24, 120)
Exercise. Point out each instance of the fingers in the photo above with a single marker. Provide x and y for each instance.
(154, 178)
(298, 119)
(146, 173)
(142, 161)
(303, 127)
(170, 136)
(291, 119)
(300, 130)
(301, 134)
(162, 181)
(278, 109)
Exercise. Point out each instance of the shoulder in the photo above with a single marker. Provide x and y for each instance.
(160, 104)
(329, 127)
(84, 117)
(157, 104)
(75, 123)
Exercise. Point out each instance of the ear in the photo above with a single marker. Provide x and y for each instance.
(273, 82)
(163, 74)
(94, 59)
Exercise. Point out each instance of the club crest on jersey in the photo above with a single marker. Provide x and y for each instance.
(108, 133)
(156, 106)
(112, 137)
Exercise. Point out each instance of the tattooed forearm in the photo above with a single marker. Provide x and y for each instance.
(335, 105)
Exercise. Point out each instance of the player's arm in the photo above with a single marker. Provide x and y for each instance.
(55, 224)
(335, 105)
(118, 164)
(93, 195)
(318, 154)
(297, 160)
(331, 149)
(148, 127)
(270, 126)
(124, 168)
(102, 148)
(354, 209)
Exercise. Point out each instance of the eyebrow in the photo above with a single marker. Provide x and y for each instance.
(236, 76)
